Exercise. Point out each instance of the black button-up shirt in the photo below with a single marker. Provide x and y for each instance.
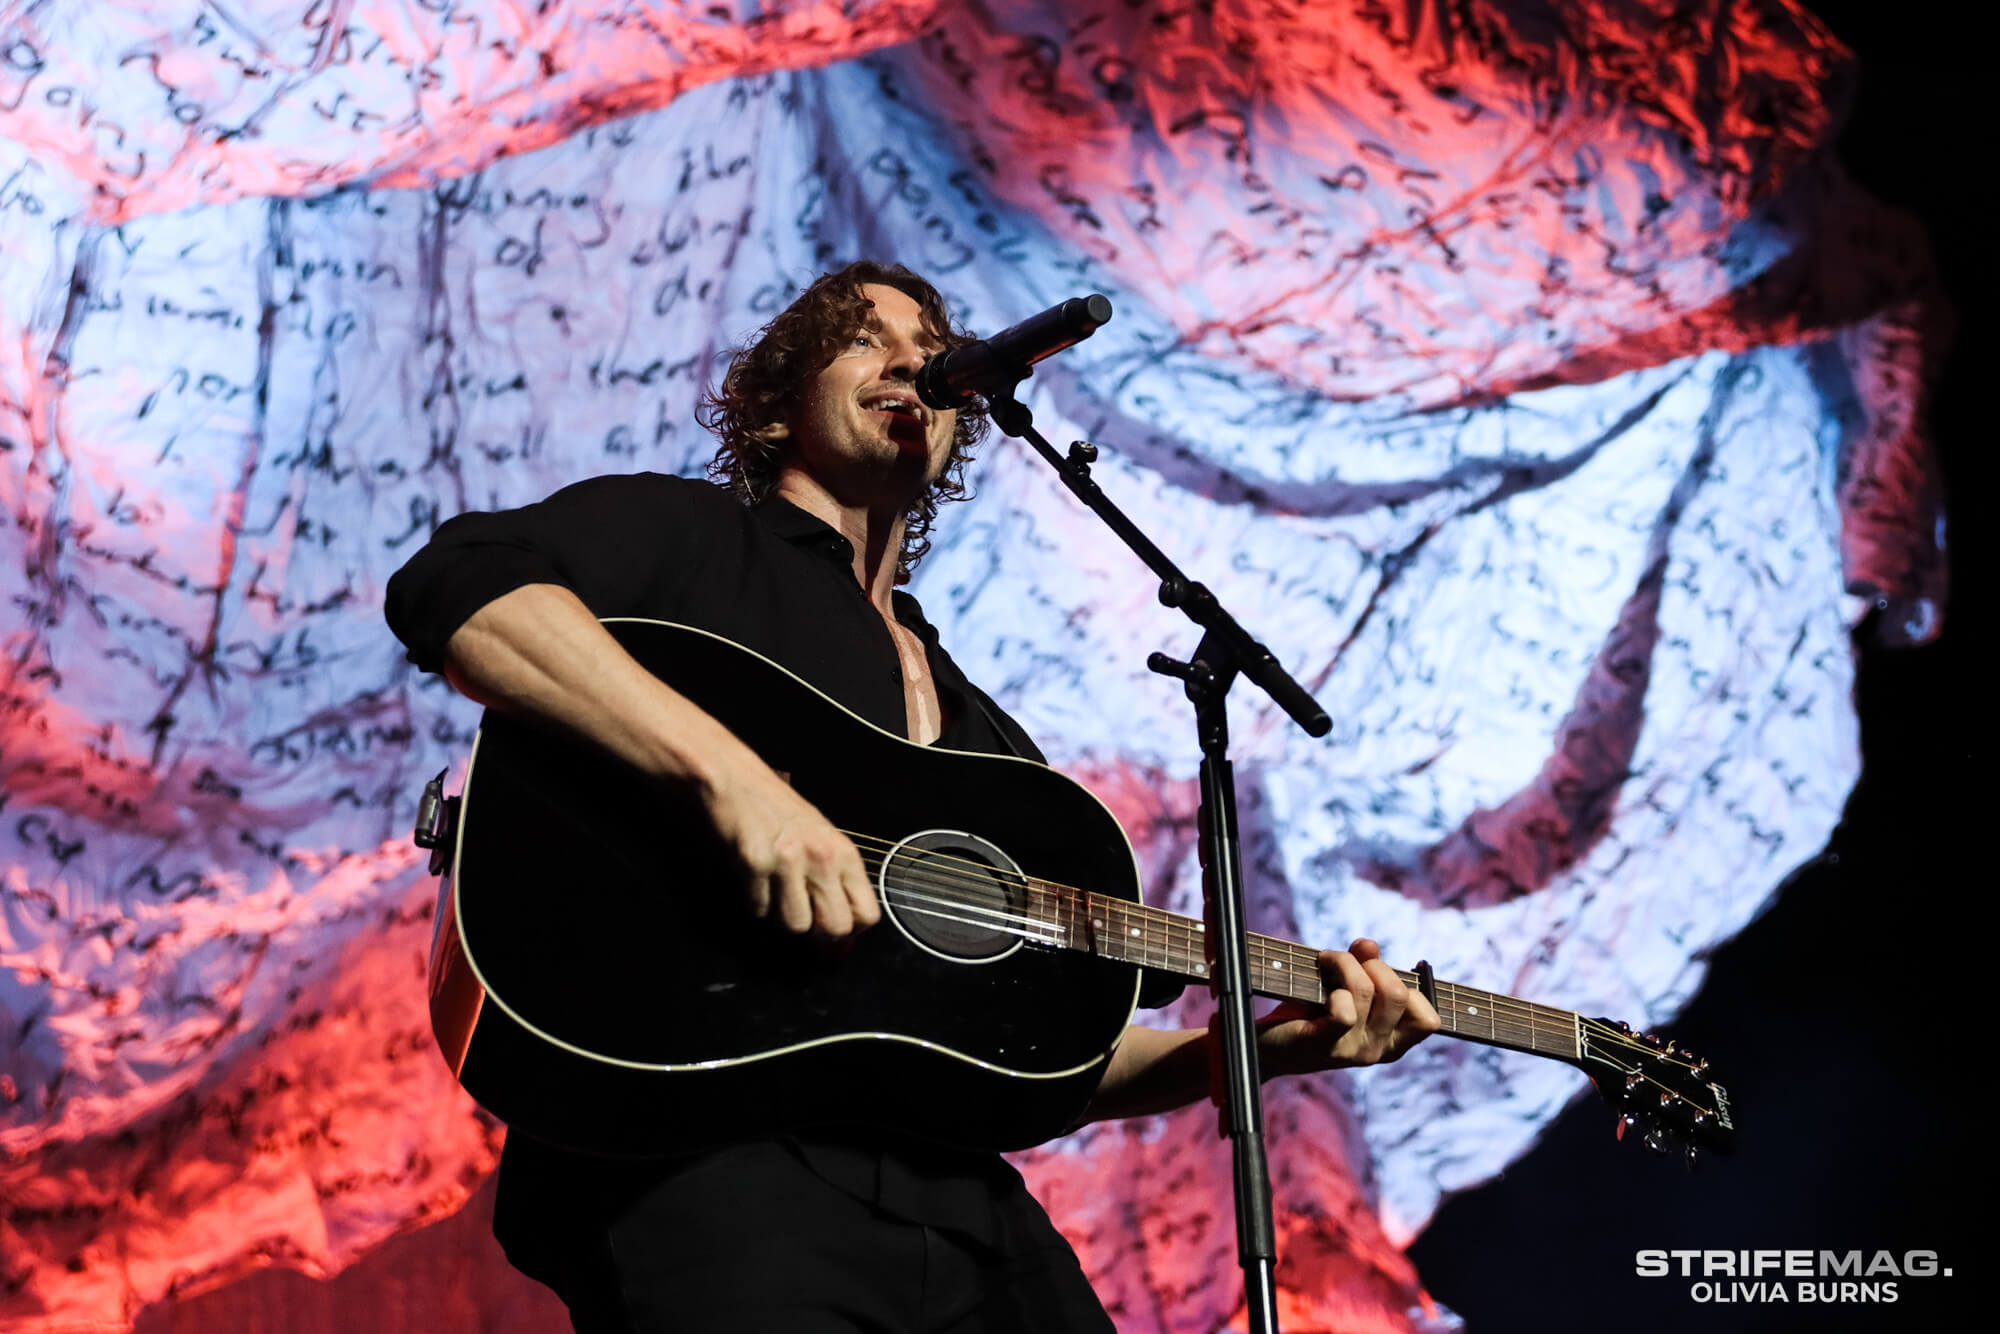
(779, 581)
(774, 579)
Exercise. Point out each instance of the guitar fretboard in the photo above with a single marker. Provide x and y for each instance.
(1116, 928)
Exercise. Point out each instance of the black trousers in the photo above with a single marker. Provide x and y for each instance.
(756, 1243)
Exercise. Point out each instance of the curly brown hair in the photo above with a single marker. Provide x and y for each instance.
(767, 380)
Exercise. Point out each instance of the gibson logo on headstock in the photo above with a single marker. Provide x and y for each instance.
(1722, 1106)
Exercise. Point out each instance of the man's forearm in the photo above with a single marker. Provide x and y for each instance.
(1157, 1070)
(539, 651)
(1152, 1071)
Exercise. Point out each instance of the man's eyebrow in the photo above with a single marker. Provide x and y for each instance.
(926, 338)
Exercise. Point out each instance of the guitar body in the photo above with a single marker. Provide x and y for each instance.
(597, 979)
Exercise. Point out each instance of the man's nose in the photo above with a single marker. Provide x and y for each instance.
(905, 360)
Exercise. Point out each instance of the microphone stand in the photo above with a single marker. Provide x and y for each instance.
(1225, 652)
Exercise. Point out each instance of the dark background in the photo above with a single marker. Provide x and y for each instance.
(1843, 1020)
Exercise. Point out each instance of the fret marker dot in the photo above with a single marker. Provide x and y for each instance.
(1276, 964)
(1472, 1009)
(1201, 968)
(1135, 930)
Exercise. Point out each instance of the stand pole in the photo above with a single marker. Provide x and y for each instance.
(1222, 878)
(1226, 650)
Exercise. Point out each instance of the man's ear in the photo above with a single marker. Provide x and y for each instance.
(775, 431)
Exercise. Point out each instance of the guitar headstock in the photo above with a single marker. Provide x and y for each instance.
(1666, 1093)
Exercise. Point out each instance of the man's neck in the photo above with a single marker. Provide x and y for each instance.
(875, 532)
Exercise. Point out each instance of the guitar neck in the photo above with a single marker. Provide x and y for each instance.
(1115, 928)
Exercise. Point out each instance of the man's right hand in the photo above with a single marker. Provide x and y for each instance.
(538, 650)
(803, 874)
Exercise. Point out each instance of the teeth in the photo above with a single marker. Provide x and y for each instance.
(886, 404)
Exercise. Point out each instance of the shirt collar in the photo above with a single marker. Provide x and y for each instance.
(793, 524)
(801, 529)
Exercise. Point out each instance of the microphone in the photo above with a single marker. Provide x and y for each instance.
(950, 379)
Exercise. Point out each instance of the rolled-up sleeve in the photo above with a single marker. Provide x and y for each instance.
(606, 539)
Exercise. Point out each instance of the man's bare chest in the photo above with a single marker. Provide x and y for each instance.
(923, 713)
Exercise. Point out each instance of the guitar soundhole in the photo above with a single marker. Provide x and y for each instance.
(955, 895)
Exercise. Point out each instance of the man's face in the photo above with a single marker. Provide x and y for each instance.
(861, 430)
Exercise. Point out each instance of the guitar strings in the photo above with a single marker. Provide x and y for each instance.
(980, 914)
(1049, 932)
(993, 920)
(939, 876)
(1517, 1014)
(944, 876)
(1511, 1025)
(983, 875)
(907, 903)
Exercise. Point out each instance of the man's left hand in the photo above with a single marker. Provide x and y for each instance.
(1370, 1017)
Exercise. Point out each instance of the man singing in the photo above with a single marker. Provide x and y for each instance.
(832, 473)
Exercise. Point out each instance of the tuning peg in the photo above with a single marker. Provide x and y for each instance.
(1625, 1122)
(1656, 1141)
(1693, 1156)
(1666, 1100)
(1634, 1080)
(1701, 1066)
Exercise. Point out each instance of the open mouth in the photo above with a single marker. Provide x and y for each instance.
(902, 416)
(896, 407)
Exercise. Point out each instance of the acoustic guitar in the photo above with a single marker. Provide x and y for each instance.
(598, 981)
